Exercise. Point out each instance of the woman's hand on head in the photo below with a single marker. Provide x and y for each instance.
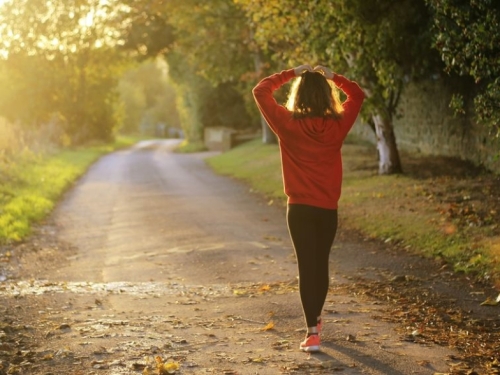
(302, 68)
(323, 70)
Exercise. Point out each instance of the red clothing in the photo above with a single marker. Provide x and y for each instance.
(310, 147)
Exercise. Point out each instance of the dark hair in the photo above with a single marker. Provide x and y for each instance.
(313, 96)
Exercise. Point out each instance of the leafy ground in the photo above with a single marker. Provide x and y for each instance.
(440, 207)
(79, 328)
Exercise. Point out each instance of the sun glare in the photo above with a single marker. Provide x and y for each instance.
(92, 24)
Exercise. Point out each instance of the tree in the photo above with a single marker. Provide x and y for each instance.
(26, 90)
(147, 31)
(73, 44)
(383, 44)
(206, 48)
(468, 39)
(148, 97)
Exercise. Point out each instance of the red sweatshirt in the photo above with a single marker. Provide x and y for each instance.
(310, 147)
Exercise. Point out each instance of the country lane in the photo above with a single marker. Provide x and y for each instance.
(153, 255)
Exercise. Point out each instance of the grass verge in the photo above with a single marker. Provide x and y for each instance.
(187, 147)
(441, 208)
(31, 184)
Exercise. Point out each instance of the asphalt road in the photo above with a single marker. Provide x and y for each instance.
(148, 213)
(152, 254)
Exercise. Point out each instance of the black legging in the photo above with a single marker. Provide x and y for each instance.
(312, 230)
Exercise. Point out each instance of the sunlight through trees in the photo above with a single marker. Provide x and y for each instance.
(70, 64)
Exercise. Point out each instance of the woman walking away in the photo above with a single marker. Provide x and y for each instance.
(311, 130)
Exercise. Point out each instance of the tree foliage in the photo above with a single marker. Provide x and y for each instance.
(146, 28)
(60, 61)
(206, 48)
(383, 44)
(62, 56)
(148, 98)
(213, 38)
(468, 38)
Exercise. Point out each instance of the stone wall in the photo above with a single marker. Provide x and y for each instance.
(224, 139)
(426, 125)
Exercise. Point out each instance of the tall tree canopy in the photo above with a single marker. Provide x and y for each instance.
(60, 61)
(383, 44)
(206, 47)
(148, 98)
(468, 38)
(62, 55)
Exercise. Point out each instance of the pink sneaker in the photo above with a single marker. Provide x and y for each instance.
(310, 344)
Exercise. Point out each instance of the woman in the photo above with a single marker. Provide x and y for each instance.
(311, 131)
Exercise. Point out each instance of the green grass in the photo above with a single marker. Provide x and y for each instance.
(257, 164)
(32, 184)
(187, 147)
(393, 209)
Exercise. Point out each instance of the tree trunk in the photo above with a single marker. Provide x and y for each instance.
(268, 136)
(389, 162)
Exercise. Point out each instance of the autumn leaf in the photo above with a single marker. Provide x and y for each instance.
(491, 302)
(268, 327)
(265, 288)
(48, 357)
(168, 367)
(450, 229)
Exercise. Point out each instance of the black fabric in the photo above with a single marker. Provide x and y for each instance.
(312, 230)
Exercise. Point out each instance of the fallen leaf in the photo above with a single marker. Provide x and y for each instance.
(268, 327)
(491, 302)
(258, 360)
(264, 288)
(449, 229)
(169, 368)
(416, 332)
(282, 344)
(48, 357)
